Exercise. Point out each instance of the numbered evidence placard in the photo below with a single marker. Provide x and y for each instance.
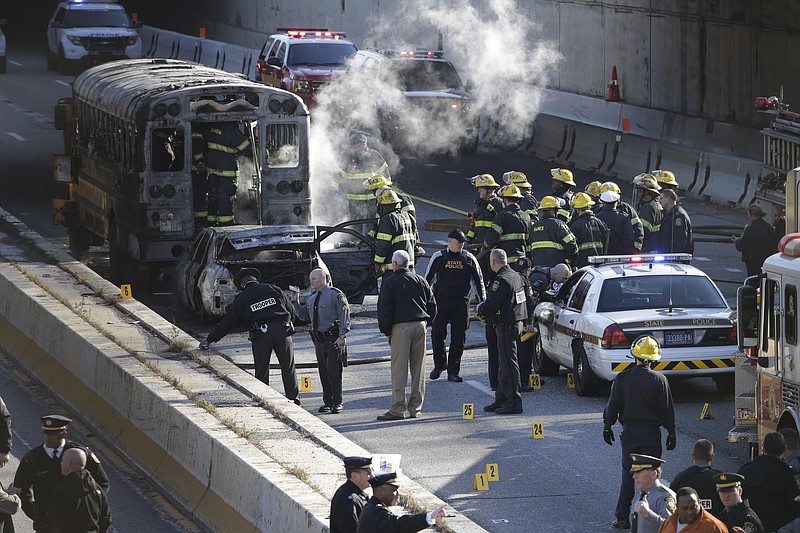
(570, 380)
(481, 483)
(125, 292)
(534, 381)
(468, 412)
(492, 472)
(305, 384)
(537, 432)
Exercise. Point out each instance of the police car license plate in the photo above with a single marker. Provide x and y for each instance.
(678, 338)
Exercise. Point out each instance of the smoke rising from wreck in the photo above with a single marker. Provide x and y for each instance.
(497, 48)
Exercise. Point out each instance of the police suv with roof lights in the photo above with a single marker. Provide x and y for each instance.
(92, 31)
(605, 306)
(303, 61)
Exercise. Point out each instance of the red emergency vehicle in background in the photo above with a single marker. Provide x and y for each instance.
(303, 60)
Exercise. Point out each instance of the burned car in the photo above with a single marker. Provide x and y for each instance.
(283, 254)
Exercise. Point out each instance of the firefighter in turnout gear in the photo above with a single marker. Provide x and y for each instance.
(562, 184)
(620, 230)
(645, 193)
(593, 190)
(199, 177)
(529, 203)
(224, 141)
(487, 205)
(551, 240)
(511, 227)
(665, 179)
(361, 163)
(590, 232)
(394, 233)
(626, 208)
(642, 402)
(378, 184)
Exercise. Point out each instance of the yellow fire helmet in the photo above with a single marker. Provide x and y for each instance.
(582, 200)
(376, 182)
(517, 178)
(484, 180)
(646, 181)
(388, 197)
(646, 348)
(509, 191)
(593, 189)
(665, 176)
(562, 174)
(549, 202)
(609, 186)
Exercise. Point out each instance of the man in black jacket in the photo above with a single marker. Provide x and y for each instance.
(78, 503)
(642, 402)
(377, 518)
(757, 241)
(700, 476)
(675, 234)
(270, 316)
(620, 231)
(452, 272)
(406, 306)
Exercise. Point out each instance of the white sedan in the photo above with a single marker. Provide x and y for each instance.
(604, 307)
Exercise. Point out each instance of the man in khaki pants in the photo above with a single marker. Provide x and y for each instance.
(406, 307)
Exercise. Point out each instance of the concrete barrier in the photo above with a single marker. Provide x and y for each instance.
(223, 481)
(592, 147)
(729, 178)
(550, 139)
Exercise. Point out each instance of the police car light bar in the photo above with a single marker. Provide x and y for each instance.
(790, 245)
(312, 32)
(643, 258)
(436, 54)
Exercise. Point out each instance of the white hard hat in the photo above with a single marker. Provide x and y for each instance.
(609, 197)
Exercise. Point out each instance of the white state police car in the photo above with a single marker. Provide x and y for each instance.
(604, 307)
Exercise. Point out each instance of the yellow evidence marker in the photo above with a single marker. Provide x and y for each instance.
(305, 384)
(706, 413)
(492, 472)
(468, 413)
(537, 432)
(534, 381)
(125, 292)
(570, 380)
(480, 482)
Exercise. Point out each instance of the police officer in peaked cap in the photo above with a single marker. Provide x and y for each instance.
(350, 499)
(737, 512)
(377, 518)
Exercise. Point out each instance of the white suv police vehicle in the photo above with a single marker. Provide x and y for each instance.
(605, 306)
(90, 31)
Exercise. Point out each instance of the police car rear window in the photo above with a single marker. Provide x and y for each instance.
(654, 292)
(416, 75)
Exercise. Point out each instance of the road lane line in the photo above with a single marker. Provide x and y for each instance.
(15, 63)
(431, 165)
(17, 137)
(62, 82)
(452, 172)
(733, 269)
(701, 258)
(480, 386)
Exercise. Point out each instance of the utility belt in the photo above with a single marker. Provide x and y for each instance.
(321, 336)
(264, 326)
(518, 325)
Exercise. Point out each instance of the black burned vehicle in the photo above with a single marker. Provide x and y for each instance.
(142, 137)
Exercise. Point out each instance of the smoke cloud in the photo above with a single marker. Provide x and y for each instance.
(498, 49)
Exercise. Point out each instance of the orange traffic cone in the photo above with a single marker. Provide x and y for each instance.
(613, 87)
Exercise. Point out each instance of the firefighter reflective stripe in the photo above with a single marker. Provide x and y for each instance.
(402, 238)
(361, 176)
(680, 365)
(471, 233)
(564, 214)
(222, 148)
(225, 218)
(379, 259)
(363, 197)
(200, 214)
(483, 224)
(512, 236)
(545, 244)
(224, 173)
(569, 237)
(243, 145)
(592, 245)
(648, 226)
(383, 237)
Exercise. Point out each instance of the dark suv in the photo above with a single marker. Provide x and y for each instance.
(303, 60)
(419, 97)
